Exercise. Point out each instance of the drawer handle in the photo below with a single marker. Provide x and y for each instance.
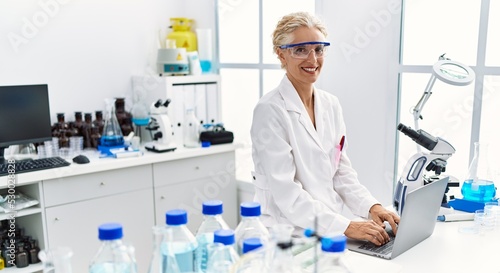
(197, 168)
(56, 219)
(102, 184)
(162, 197)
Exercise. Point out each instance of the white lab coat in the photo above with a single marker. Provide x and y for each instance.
(296, 173)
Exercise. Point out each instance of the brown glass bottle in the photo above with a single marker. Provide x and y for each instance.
(123, 116)
(87, 131)
(21, 256)
(99, 121)
(77, 124)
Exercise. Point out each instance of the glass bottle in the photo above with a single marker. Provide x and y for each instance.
(184, 243)
(222, 255)
(56, 260)
(122, 115)
(87, 131)
(212, 221)
(113, 255)
(332, 256)
(33, 252)
(191, 132)
(163, 259)
(281, 259)
(112, 133)
(250, 225)
(21, 256)
(99, 121)
(479, 185)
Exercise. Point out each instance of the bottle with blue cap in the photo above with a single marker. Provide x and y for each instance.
(222, 254)
(113, 255)
(212, 220)
(332, 258)
(250, 225)
(254, 257)
(163, 259)
(183, 243)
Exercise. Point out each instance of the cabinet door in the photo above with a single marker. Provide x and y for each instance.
(75, 225)
(190, 195)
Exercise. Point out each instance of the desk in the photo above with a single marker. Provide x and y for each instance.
(446, 250)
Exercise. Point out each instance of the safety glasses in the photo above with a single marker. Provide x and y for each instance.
(302, 50)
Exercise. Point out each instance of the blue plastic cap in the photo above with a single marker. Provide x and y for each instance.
(205, 144)
(251, 244)
(308, 232)
(176, 217)
(224, 236)
(249, 209)
(110, 231)
(333, 244)
(212, 207)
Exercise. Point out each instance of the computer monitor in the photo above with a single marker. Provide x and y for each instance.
(24, 115)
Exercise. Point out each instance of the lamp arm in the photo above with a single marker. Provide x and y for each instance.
(417, 110)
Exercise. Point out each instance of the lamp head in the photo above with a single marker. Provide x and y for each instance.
(453, 72)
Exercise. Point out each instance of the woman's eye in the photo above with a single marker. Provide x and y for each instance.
(300, 50)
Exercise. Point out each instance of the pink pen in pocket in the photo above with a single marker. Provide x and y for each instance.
(338, 151)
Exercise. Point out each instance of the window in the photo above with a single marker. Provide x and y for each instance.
(245, 51)
(465, 31)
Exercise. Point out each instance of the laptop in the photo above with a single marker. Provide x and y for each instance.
(416, 224)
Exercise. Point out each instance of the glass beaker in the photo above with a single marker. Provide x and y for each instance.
(111, 133)
(56, 260)
(479, 184)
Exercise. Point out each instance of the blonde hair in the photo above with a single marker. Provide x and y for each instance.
(283, 33)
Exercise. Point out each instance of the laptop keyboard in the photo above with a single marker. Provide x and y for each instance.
(383, 249)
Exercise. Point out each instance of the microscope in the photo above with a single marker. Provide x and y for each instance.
(415, 172)
(160, 128)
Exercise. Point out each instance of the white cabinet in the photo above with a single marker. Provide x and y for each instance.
(187, 183)
(76, 206)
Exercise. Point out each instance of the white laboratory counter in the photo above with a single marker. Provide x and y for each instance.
(446, 250)
(136, 192)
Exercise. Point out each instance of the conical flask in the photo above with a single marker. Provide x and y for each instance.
(111, 133)
(163, 259)
(56, 260)
(479, 184)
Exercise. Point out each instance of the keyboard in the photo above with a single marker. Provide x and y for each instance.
(24, 166)
(383, 249)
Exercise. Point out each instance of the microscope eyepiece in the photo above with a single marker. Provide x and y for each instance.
(421, 137)
(158, 103)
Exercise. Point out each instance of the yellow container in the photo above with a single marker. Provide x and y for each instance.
(182, 33)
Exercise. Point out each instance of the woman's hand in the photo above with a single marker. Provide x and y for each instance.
(379, 214)
(367, 230)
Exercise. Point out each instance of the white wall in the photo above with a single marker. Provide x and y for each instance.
(85, 50)
(361, 70)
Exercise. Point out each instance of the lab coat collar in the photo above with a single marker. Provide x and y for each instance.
(294, 103)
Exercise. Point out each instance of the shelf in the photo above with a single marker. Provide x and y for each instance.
(31, 268)
(23, 212)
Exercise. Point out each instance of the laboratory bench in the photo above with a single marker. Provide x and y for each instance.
(135, 191)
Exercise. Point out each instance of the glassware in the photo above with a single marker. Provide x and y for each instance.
(479, 185)
(250, 225)
(163, 259)
(183, 243)
(332, 259)
(112, 133)
(222, 255)
(99, 121)
(113, 255)
(212, 221)
(124, 118)
(56, 260)
(191, 132)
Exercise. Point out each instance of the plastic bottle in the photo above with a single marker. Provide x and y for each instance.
(163, 259)
(251, 244)
(253, 258)
(183, 243)
(332, 257)
(250, 225)
(113, 255)
(212, 211)
(191, 133)
(222, 254)
(479, 185)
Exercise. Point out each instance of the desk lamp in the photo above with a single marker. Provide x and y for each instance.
(448, 71)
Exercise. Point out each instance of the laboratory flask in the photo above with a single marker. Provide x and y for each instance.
(111, 132)
(56, 260)
(183, 242)
(250, 225)
(280, 256)
(212, 221)
(222, 253)
(163, 259)
(191, 132)
(113, 256)
(332, 258)
(479, 184)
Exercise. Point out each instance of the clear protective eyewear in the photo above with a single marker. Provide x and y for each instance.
(302, 50)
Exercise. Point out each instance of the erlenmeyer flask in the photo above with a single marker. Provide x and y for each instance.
(56, 260)
(479, 184)
(111, 133)
(163, 259)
